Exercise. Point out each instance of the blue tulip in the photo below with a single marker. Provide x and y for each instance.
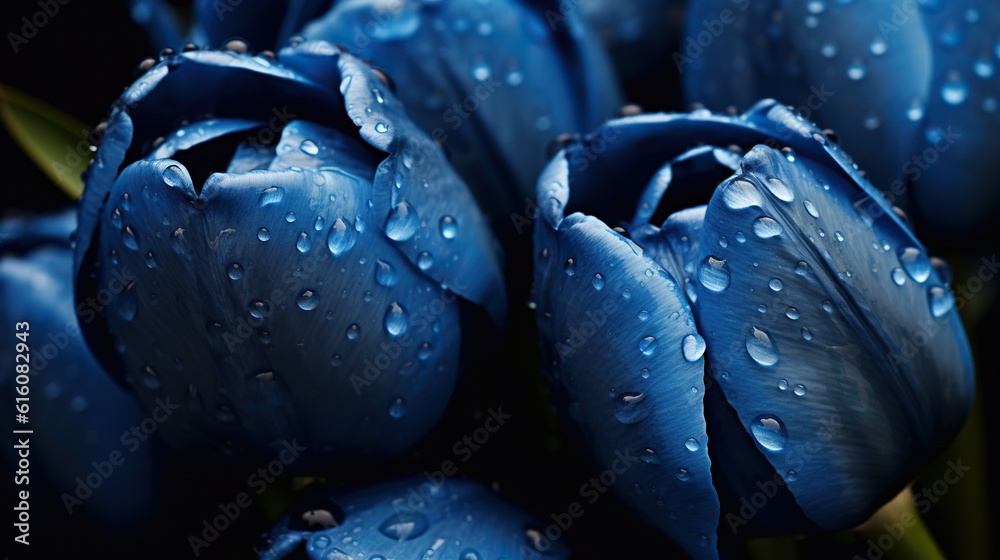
(408, 518)
(493, 82)
(264, 24)
(82, 459)
(284, 253)
(910, 87)
(838, 364)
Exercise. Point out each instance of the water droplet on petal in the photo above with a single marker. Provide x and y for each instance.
(303, 243)
(381, 128)
(398, 407)
(941, 301)
(807, 334)
(693, 347)
(799, 390)
(811, 208)
(353, 332)
(692, 444)
(307, 300)
(780, 190)
(130, 239)
(150, 378)
(396, 320)
(598, 282)
(954, 90)
(775, 284)
(341, 238)
(792, 313)
(632, 408)
(309, 147)
(270, 195)
(898, 276)
(235, 271)
(647, 345)
(915, 263)
(741, 194)
(385, 274)
(263, 234)
(403, 222)
(425, 260)
(761, 348)
(569, 268)
(770, 432)
(766, 227)
(449, 227)
(714, 274)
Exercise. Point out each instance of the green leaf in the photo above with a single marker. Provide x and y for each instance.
(54, 140)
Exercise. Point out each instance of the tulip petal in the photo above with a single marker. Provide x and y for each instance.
(426, 208)
(410, 518)
(77, 413)
(834, 336)
(494, 82)
(308, 145)
(618, 336)
(962, 122)
(251, 328)
(265, 24)
(186, 137)
(851, 66)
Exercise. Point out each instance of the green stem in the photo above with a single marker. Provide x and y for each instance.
(898, 530)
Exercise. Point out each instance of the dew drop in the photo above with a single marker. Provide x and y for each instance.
(941, 301)
(130, 239)
(632, 408)
(811, 208)
(807, 334)
(307, 300)
(385, 274)
(692, 444)
(309, 147)
(954, 89)
(766, 227)
(353, 332)
(770, 432)
(341, 237)
(449, 227)
(270, 195)
(381, 128)
(403, 222)
(799, 390)
(235, 271)
(915, 263)
(761, 348)
(741, 194)
(263, 234)
(425, 260)
(647, 345)
(780, 190)
(898, 276)
(693, 347)
(598, 282)
(303, 243)
(398, 407)
(792, 313)
(714, 274)
(396, 320)
(775, 284)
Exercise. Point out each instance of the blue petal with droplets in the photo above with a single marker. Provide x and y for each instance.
(618, 336)
(961, 126)
(409, 518)
(821, 344)
(830, 60)
(223, 284)
(493, 82)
